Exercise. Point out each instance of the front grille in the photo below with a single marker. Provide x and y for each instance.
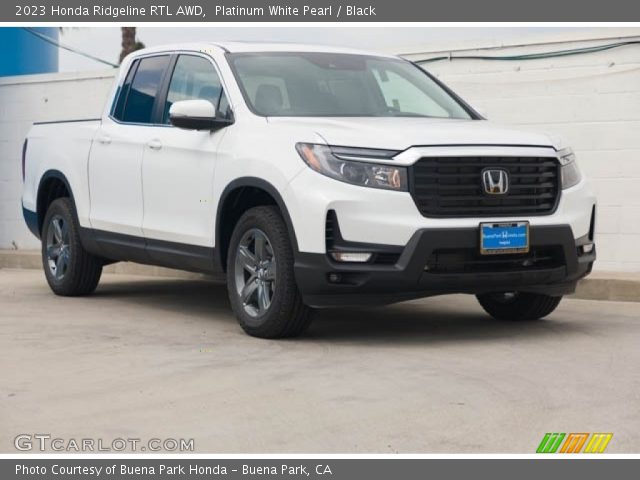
(452, 186)
(470, 261)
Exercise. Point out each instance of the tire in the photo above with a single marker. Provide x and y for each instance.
(260, 265)
(517, 306)
(70, 270)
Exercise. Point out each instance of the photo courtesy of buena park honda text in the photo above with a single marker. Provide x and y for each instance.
(322, 239)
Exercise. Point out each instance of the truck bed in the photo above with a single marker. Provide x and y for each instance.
(60, 147)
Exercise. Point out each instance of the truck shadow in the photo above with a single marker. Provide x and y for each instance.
(426, 321)
(437, 319)
(200, 298)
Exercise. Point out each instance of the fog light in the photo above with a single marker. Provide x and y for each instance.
(351, 256)
(588, 248)
(335, 278)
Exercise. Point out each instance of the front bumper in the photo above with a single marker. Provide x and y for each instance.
(442, 261)
(391, 218)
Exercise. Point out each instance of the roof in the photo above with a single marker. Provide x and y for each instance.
(246, 47)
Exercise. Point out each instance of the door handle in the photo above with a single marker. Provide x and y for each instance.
(104, 139)
(154, 144)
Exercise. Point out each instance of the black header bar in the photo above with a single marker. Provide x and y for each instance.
(137, 11)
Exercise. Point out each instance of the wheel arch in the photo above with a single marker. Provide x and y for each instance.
(53, 185)
(237, 197)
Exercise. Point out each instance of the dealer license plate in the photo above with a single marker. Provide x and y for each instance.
(508, 237)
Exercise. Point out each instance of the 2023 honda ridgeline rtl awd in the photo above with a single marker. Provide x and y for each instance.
(312, 177)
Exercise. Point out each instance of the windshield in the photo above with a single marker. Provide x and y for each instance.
(330, 84)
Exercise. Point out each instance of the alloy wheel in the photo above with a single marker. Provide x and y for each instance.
(58, 247)
(255, 272)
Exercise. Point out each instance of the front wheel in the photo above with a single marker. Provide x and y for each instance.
(260, 278)
(518, 305)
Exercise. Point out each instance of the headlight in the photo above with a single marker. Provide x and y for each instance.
(569, 170)
(334, 164)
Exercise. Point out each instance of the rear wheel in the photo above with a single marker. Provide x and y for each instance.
(260, 278)
(70, 270)
(518, 305)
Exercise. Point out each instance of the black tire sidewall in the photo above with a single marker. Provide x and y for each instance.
(272, 323)
(526, 306)
(75, 281)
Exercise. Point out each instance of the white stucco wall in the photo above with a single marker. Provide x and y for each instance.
(35, 98)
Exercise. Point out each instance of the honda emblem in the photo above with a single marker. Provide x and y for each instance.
(495, 181)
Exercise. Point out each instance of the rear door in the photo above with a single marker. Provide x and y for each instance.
(179, 165)
(115, 162)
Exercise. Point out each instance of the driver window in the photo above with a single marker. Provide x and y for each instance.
(195, 78)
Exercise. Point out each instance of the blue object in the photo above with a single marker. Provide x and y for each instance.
(504, 237)
(23, 53)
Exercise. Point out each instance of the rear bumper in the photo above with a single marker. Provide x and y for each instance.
(452, 266)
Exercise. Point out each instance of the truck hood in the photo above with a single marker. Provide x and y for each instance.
(400, 133)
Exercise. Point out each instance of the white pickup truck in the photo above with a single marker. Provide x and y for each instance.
(311, 177)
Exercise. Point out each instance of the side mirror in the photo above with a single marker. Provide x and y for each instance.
(195, 115)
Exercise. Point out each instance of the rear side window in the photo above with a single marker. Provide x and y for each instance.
(141, 95)
(123, 91)
(194, 78)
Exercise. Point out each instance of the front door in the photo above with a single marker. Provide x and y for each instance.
(179, 165)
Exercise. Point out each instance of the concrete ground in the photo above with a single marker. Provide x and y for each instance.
(159, 357)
